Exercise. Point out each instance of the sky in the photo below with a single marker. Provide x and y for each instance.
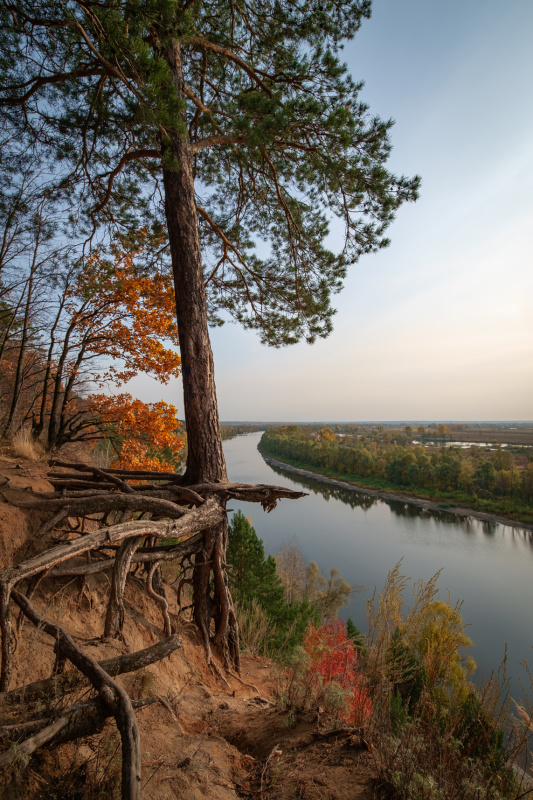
(439, 326)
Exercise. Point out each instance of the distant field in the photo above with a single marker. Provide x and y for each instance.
(497, 435)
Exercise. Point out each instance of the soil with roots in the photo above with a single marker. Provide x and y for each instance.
(203, 736)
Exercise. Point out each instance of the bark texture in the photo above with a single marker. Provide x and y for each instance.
(205, 457)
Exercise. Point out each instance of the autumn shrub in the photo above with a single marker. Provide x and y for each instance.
(335, 662)
(326, 673)
(436, 735)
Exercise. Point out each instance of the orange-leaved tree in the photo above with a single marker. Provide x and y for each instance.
(111, 322)
(146, 436)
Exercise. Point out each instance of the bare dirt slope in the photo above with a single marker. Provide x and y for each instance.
(203, 738)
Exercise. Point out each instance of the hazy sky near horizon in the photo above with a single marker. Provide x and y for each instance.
(440, 324)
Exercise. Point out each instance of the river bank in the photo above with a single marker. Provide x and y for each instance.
(422, 502)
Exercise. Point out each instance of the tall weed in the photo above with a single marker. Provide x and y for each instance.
(436, 736)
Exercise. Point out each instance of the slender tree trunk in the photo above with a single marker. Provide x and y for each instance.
(56, 394)
(38, 423)
(19, 373)
(213, 608)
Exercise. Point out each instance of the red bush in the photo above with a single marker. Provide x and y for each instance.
(335, 662)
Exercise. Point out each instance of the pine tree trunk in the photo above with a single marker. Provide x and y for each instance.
(213, 608)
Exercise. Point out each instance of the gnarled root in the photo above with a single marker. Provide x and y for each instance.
(160, 599)
(114, 619)
(110, 692)
(215, 608)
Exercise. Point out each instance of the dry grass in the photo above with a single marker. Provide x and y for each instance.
(102, 454)
(25, 446)
(436, 736)
(254, 628)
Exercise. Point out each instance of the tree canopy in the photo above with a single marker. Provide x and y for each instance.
(279, 140)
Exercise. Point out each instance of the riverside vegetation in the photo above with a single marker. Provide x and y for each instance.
(378, 458)
(404, 687)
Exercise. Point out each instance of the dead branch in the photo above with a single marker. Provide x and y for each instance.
(260, 493)
(59, 685)
(111, 693)
(104, 503)
(75, 722)
(251, 493)
(50, 524)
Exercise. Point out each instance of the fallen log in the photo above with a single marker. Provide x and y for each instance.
(75, 722)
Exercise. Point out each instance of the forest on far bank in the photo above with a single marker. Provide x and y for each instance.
(422, 461)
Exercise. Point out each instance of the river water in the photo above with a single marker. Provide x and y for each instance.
(488, 566)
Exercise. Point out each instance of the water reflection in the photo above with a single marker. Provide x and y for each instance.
(328, 490)
(357, 499)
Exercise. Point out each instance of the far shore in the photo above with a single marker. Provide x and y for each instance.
(431, 505)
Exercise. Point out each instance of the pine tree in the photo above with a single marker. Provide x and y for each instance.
(238, 130)
(357, 636)
(253, 575)
(254, 579)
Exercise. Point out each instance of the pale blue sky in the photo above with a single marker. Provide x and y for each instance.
(439, 325)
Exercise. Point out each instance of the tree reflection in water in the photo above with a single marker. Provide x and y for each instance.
(355, 498)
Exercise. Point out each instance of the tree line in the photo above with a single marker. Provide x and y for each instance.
(380, 457)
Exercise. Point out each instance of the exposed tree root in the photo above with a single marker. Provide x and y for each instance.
(59, 685)
(164, 507)
(160, 599)
(114, 620)
(242, 682)
(193, 520)
(111, 693)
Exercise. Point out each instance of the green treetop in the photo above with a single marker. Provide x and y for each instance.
(278, 138)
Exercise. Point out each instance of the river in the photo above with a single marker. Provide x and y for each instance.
(488, 566)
